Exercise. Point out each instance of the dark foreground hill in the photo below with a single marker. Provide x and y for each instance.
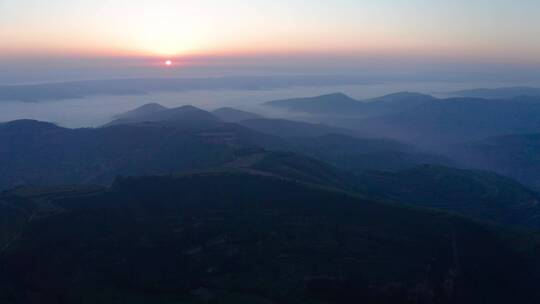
(237, 238)
(476, 194)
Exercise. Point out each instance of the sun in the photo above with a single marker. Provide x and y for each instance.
(168, 62)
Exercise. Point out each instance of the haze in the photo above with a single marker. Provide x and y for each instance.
(269, 151)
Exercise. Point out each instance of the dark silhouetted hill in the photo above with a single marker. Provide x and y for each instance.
(477, 194)
(248, 238)
(481, 195)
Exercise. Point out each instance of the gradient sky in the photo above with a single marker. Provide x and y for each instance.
(478, 31)
(503, 28)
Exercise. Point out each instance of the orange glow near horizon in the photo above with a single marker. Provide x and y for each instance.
(251, 51)
(204, 28)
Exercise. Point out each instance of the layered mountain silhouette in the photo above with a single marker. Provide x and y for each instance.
(422, 119)
(154, 140)
(181, 205)
(97, 156)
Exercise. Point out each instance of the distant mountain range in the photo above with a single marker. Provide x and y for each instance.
(184, 116)
(137, 86)
(341, 104)
(421, 119)
(489, 134)
(153, 139)
(499, 93)
(192, 117)
(327, 104)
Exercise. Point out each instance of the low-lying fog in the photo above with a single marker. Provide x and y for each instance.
(97, 110)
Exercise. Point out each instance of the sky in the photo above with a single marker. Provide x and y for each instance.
(75, 35)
